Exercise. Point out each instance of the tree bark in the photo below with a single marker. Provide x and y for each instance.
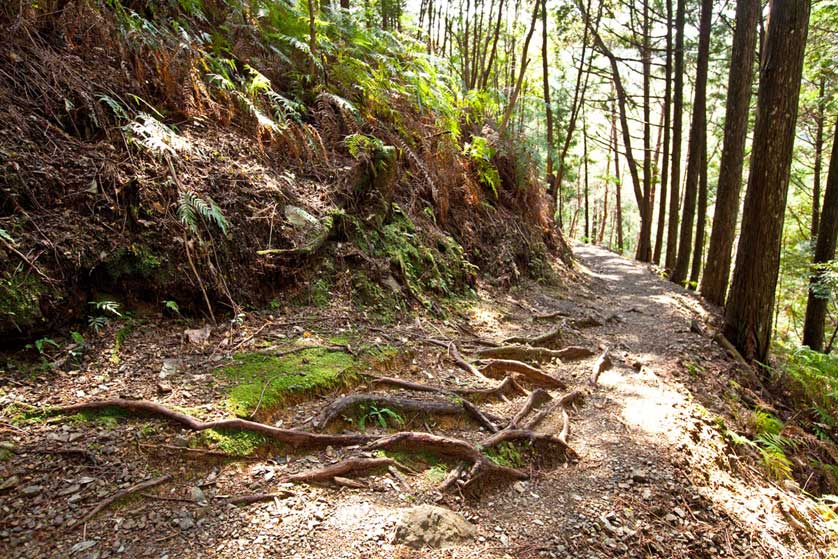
(698, 249)
(677, 124)
(697, 134)
(548, 108)
(717, 270)
(618, 183)
(524, 62)
(751, 302)
(644, 243)
(587, 191)
(813, 328)
(667, 125)
(816, 187)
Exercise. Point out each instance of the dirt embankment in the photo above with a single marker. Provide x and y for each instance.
(131, 170)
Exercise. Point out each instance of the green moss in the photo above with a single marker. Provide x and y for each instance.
(436, 473)
(274, 379)
(135, 260)
(235, 443)
(20, 297)
(505, 454)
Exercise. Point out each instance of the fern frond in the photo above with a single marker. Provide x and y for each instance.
(192, 207)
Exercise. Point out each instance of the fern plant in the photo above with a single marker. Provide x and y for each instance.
(192, 208)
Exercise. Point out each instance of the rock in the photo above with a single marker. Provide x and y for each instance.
(427, 525)
(186, 523)
(639, 476)
(198, 495)
(82, 546)
(9, 483)
(164, 387)
(7, 450)
(69, 490)
(169, 367)
(680, 512)
(197, 335)
(520, 487)
(31, 490)
(298, 217)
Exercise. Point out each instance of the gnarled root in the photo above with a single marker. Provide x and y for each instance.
(291, 437)
(542, 340)
(499, 367)
(352, 465)
(526, 353)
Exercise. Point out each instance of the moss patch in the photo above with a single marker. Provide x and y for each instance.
(235, 443)
(20, 296)
(274, 379)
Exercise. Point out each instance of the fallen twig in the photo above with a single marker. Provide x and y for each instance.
(120, 494)
(499, 368)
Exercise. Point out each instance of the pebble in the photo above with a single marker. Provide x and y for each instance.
(32, 490)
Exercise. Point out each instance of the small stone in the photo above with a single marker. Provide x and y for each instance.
(671, 518)
(69, 490)
(82, 546)
(31, 490)
(680, 512)
(164, 387)
(186, 523)
(198, 495)
(520, 487)
(639, 476)
(427, 525)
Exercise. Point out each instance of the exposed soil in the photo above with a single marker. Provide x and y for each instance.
(653, 475)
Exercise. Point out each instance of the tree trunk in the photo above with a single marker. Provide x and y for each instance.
(667, 110)
(698, 249)
(524, 62)
(813, 328)
(644, 243)
(751, 302)
(816, 187)
(587, 192)
(677, 119)
(618, 182)
(698, 131)
(312, 41)
(548, 108)
(717, 271)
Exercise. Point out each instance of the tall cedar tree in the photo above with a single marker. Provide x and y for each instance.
(751, 302)
(698, 130)
(644, 244)
(717, 270)
(548, 109)
(677, 127)
(667, 126)
(813, 329)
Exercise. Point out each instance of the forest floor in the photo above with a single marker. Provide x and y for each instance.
(653, 476)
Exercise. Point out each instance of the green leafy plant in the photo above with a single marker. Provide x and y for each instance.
(40, 345)
(172, 306)
(192, 208)
(381, 415)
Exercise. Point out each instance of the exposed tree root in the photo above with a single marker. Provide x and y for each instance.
(551, 315)
(513, 435)
(450, 448)
(747, 368)
(602, 364)
(258, 498)
(430, 407)
(352, 465)
(537, 397)
(526, 353)
(567, 400)
(542, 340)
(120, 494)
(586, 322)
(507, 387)
(454, 353)
(499, 367)
(292, 437)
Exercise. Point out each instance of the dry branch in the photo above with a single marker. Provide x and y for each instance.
(499, 368)
(522, 353)
(430, 407)
(542, 340)
(292, 437)
(120, 494)
(602, 364)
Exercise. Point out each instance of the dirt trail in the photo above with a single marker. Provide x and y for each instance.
(654, 477)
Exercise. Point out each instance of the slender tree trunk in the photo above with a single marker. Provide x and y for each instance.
(698, 249)
(587, 192)
(644, 244)
(677, 124)
(524, 62)
(740, 78)
(813, 328)
(604, 215)
(667, 125)
(618, 183)
(484, 81)
(312, 40)
(697, 134)
(816, 188)
(751, 301)
(548, 108)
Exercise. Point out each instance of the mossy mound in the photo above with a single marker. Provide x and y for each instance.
(267, 381)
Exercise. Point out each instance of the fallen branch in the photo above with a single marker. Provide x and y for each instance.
(352, 465)
(602, 364)
(430, 407)
(120, 494)
(292, 437)
(543, 340)
(537, 397)
(499, 368)
(454, 353)
(520, 353)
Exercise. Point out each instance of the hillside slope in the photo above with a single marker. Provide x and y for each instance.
(201, 153)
